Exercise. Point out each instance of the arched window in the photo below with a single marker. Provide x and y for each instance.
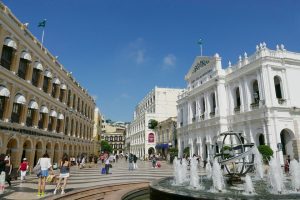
(116, 138)
(47, 82)
(255, 92)
(194, 111)
(43, 117)
(62, 92)
(7, 52)
(69, 98)
(74, 100)
(120, 138)
(106, 138)
(78, 104)
(17, 108)
(278, 87)
(111, 138)
(213, 105)
(36, 73)
(55, 87)
(237, 100)
(4, 96)
(24, 64)
(66, 125)
(31, 112)
(261, 139)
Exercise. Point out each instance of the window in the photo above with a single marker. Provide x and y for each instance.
(2, 106)
(277, 83)
(6, 58)
(42, 118)
(213, 105)
(78, 104)
(255, 92)
(16, 111)
(116, 138)
(111, 138)
(120, 138)
(74, 100)
(22, 68)
(35, 77)
(61, 95)
(261, 139)
(30, 113)
(54, 87)
(69, 98)
(66, 125)
(59, 124)
(45, 84)
(51, 120)
(194, 107)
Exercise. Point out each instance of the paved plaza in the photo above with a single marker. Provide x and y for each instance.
(89, 177)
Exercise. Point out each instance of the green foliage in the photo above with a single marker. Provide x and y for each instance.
(224, 151)
(173, 153)
(266, 152)
(105, 146)
(186, 151)
(152, 124)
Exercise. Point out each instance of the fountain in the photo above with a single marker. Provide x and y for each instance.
(236, 173)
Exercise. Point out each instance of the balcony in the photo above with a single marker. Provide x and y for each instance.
(254, 105)
(237, 109)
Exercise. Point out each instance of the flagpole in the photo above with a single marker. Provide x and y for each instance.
(43, 37)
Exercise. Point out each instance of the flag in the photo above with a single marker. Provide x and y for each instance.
(42, 23)
(200, 42)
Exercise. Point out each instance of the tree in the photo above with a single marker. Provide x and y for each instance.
(105, 146)
(152, 124)
(266, 152)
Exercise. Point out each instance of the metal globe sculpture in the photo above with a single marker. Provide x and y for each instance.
(235, 154)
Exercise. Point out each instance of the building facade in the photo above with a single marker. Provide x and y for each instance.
(42, 107)
(166, 136)
(159, 104)
(97, 131)
(258, 97)
(114, 134)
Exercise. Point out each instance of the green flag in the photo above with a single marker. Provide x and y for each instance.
(200, 42)
(42, 23)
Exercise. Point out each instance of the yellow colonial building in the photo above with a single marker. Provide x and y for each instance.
(42, 107)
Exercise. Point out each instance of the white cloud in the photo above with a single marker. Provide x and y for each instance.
(137, 51)
(169, 61)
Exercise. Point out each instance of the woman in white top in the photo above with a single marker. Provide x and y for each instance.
(45, 164)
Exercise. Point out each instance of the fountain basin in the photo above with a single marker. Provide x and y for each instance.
(164, 189)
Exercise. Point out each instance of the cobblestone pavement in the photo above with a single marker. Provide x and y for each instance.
(89, 176)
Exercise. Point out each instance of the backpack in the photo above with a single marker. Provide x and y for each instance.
(23, 166)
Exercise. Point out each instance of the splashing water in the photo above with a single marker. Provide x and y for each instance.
(258, 163)
(295, 174)
(194, 177)
(180, 171)
(217, 177)
(208, 170)
(248, 185)
(276, 176)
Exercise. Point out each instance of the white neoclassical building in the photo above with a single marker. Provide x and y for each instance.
(258, 96)
(159, 104)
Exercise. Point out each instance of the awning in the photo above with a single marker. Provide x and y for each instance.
(60, 116)
(63, 86)
(44, 109)
(48, 74)
(4, 92)
(162, 146)
(10, 43)
(20, 99)
(25, 55)
(38, 65)
(33, 105)
(53, 113)
(56, 81)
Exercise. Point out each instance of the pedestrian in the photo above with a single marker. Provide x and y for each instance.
(130, 161)
(3, 168)
(45, 164)
(82, 164)
(134, 162)
(107, 164)
(8, 170)
(64, 174)
(153, 161)
(23, 169)
(287, 164)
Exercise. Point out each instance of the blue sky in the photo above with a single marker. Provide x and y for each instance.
(119, 50)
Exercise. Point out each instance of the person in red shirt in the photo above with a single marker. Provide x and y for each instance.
(23, 168)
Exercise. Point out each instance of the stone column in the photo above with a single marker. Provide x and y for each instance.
(15, 61)
(23, 115)
(40, 80)
(28, 75)
(54, 123)
(61, 128)
(45, 121)
(35, 118)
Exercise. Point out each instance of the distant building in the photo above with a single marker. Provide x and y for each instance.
(114, 134)
(159, 104)
(258, 97)
(166, 136)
